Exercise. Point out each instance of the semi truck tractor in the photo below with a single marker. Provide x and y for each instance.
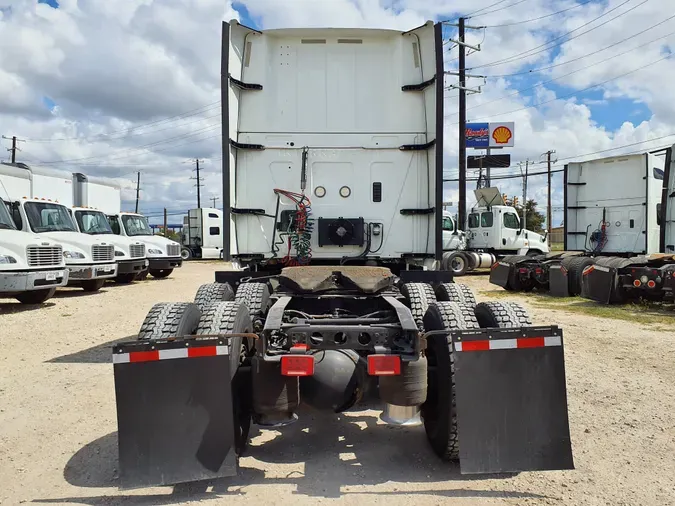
(202, 235)
(31, 267)
(90, 260)
(333, 198)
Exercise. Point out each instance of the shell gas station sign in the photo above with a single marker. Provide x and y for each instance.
(490, 135)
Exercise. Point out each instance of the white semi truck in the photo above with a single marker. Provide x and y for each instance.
(494, 231)
(31, 266)
(90, 260)
(129, 252)
(202, 235)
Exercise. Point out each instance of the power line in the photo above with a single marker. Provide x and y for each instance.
(485, 8)
(540, 17)
(529, 52)
(611, 46)
(500, 9)
(518, 91)
(578, 91)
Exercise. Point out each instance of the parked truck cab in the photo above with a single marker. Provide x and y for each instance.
(31, 267)
(498, 228)
(129, 252)
(163, 254)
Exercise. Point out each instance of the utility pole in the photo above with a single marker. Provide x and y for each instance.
(14, 147)
(199, 184)
(138, 189)
(214, 201)
(461, 86)
(166, 221)
(527, 166)
(549, 214)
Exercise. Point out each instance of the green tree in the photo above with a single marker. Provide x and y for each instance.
(535, 219)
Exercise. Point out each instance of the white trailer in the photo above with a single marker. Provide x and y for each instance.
(202, 235)
(94, 197)
(90, 260)
(31, 266)
(163, 255)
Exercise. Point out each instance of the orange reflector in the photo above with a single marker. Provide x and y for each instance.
(384, 365)
(637, 283)
(297, 365)
(651, 283)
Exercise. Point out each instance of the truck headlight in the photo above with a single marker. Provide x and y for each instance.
(155, 251)
(72, 254)
(6, 259)
(119, 253)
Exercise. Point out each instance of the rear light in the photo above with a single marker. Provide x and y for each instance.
(384, 365)
(538, 270)
(637, 283)
(297, 365)
(651, 283)
(644, 279)
(523, 270)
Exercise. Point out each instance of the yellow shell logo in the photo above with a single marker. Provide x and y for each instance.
(502, 135)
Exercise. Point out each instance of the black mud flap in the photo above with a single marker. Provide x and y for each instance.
(174, 412)
(499, 274)
(511, 400)
(599, 283)
(557, 281)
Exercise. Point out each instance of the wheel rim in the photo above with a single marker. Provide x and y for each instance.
(457, 264)
(185, 254)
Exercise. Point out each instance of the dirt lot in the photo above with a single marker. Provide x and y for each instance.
(58, 426)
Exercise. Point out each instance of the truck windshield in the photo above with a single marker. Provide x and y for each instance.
(5, 218)
(136, 225)
(93, 222)
(47, 217)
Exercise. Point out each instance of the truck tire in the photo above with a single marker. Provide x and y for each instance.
(160, 273)
(228, 318)
(418, 297)
(125, 279)
(256, 296)
(575, 267)
(275, 397)
(501, 315)
(439, 411)
(210, 293)
(169, 319)
(458, 263)
(455, 292)
(186, 253)
(92, 285)
(142, 275)
(35, 296)
(408, 388)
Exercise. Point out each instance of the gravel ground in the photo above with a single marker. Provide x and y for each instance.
(58, 423)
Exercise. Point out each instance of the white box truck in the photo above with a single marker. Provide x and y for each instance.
(31, 266)
(90, 260)
(91, 191)
(202, 235)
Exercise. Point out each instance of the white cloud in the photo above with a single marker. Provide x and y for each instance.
(112, 67)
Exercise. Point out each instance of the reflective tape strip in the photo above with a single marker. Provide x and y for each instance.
(154, 355)
(509, 344)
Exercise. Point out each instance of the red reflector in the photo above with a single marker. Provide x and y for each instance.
(297, 365)
(202, 351)
(475, 345)
(384, 365)
(144, 356)
(588, 270)
(538, 271)
(637, 283)
(531, 342)
(563, 270)
(651, 284)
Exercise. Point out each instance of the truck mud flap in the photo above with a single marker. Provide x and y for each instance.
(174, 412)
(511, 400)
(499, 274)
(557, 281)
(598, 283)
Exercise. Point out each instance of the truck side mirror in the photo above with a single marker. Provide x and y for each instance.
(518, 232)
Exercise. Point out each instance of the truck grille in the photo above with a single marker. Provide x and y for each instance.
(44, 256)
(137, 250)
(103, 253)
(173, 250)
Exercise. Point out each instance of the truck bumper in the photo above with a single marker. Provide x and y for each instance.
(165, 263)
(87, 272)
(34, 280)
(132, 266)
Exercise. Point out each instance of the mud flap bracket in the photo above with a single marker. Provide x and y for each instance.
(174, 411)
(511, 400)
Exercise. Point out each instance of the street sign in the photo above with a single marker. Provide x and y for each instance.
(490, 135)
(488, 161)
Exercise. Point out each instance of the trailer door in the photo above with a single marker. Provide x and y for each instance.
(667, 211)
